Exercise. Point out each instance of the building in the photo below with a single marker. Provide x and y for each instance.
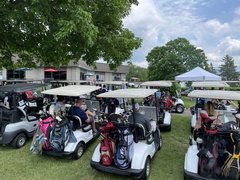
(72, 72)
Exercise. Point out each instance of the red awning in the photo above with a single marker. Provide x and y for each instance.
(50, 70)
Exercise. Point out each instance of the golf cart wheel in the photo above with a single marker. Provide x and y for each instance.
(179, 108)
(160, 143)
(78, 151)
(147, 169)
(19, 140)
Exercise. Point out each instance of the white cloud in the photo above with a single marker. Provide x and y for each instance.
(214, 26)
(230, 46)
(237, 11)
(143, 64)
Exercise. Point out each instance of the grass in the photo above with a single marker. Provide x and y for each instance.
(188, 102)
(167, 164)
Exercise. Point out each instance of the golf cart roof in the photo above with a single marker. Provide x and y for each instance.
(72, 90)
(217, 84)
(66, 81)
(157, 83)
(20, 87)
(215, 94)
(112, 82)
(128, 93)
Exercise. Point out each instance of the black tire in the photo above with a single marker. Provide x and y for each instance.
(168, 128)
(78, 151)
(180, 108)
(146, 170)
(19, 141)
(160, 143)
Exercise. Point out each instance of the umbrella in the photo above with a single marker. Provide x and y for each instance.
(51, 70)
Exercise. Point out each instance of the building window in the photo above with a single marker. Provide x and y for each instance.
(116, 77)
(100, 77)
(82, 76)
(59, 75)
(15, 74)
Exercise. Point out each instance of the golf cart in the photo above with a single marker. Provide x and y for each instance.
(18, 113)
(215, 144)
(218, 104)
(74, 140)
(178, 102)
(143, 147)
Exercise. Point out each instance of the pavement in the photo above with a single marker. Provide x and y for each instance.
(185, 113)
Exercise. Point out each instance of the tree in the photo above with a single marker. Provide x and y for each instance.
(176, 57)
(136, 71)
(228, 69)
(51, 33)
(212, 69)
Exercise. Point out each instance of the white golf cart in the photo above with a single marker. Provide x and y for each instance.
(178, 102)
(218, 105)
(83, 135)
(17, 123)
(210, 136)
(144, 148)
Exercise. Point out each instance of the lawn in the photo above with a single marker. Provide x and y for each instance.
(188, 102)
(167, 164)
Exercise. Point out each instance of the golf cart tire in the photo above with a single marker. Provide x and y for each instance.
(168, 128)
(160, 144)
(19, 141)
(76, 155)
(147, 167)
(179, 108)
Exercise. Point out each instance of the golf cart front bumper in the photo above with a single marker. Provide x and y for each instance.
(193, 176)
(115, 170)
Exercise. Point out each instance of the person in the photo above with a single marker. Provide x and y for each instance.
(112, 114)
(169, 102)
(140, 118)
(85, 115)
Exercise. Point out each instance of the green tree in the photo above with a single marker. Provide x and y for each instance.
(43, 32)
(212, 69)
(176, 57)
(228, 69)
(136, 71)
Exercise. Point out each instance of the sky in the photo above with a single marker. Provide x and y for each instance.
(213, 25)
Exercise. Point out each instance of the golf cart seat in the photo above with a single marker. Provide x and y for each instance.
(77, 124)
(142, 134)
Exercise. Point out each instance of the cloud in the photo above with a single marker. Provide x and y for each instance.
(237, 11)
(230, 46)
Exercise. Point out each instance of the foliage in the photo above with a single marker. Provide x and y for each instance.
(228, 69)
(212, 69)
(136, 71)
(176, 57)
(51, 33)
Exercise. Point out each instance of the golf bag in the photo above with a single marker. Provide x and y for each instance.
(125, 148)
(46, 124)
(60, 135)
(107, 145)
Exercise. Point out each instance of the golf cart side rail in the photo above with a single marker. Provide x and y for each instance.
(215, 94)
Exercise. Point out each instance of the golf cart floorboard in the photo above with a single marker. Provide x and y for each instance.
(115, 170)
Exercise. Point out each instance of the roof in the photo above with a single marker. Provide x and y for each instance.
(20, 87)
(73, 90)
(210, 84)
(215, 94)
(68, 81)
(157, 83)
(113, 82)
(198, 74)
(128, 93)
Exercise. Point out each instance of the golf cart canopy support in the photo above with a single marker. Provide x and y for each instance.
(215, 94)
(73, 90)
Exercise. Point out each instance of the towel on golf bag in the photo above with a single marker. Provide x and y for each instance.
(125, 149)
(61, 134)
(38, 141)
(46, 125)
